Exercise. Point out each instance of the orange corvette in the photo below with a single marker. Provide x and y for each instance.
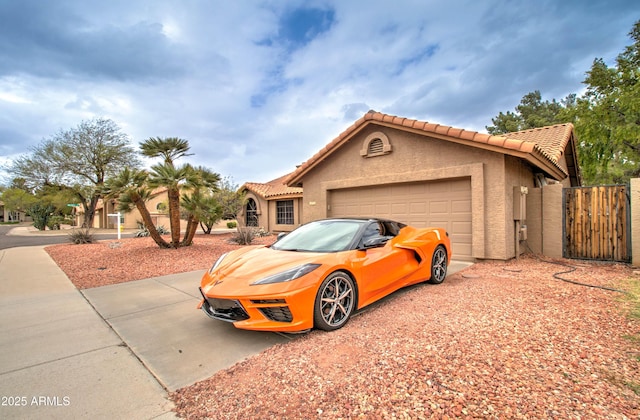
(319, 274)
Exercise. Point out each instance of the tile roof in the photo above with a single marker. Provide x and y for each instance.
(551, 140)
(273, 189)
(543, 147)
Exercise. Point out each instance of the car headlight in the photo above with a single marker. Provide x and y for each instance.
(217, 263)
(288, 275)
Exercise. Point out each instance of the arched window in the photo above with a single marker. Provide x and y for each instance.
(251, 213)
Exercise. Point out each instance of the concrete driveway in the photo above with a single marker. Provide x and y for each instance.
(179, 344)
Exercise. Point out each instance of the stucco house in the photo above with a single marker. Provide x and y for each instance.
(156, 206)
(473, 184)
(274, 205)
(12, 216)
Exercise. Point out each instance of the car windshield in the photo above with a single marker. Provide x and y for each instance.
(321, 236)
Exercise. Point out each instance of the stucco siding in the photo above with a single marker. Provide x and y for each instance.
(552, 219)
(517, 174)
(417, 158)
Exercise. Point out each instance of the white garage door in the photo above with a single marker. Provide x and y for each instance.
(444, 203)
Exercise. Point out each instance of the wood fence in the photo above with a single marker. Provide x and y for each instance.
(597, 223)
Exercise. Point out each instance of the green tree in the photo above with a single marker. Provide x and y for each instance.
(167, 175)
(40, 213)
(532, 112)
(16, 199)
(199, 202)
(229, 198)
(79, 160)
(607, 118)
(194, 182)
(131, 189)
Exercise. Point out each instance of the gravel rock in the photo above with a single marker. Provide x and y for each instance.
(113, 262)
(512, 343)
(497, 340)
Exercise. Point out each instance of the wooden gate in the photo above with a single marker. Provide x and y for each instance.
(597, 223)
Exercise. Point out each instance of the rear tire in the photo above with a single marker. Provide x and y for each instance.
(335, 301)
(438, 265)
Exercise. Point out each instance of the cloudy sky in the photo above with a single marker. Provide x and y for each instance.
(258, 87)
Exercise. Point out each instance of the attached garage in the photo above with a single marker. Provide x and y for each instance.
(443, 203)
(426, 174)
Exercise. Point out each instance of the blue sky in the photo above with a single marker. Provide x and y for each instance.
(258, 87)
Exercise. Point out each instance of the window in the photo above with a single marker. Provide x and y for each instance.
(251, 213)
(284, 212)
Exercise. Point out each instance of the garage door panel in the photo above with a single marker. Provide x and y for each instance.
(461, 228)
(439, 207)
(461, 206)
(460, 186)
(460, 249)
(439, 188)
(399, 208)
(418, 208)
(445, 203)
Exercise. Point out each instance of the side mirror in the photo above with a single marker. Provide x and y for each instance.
(376, 242)
(281, 235)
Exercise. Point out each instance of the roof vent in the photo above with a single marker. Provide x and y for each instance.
(376, 144)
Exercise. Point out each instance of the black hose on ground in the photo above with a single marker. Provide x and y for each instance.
(571, 269)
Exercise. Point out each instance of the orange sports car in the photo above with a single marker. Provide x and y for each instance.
(319, 274)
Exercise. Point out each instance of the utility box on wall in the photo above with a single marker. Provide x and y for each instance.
(520, 216)
(520, 203)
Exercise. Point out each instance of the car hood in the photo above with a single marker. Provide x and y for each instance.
(242, 267)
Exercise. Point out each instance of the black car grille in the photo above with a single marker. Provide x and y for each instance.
(224, 309)
(277, 313)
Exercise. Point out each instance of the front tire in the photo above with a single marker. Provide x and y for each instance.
(438, 265)
(335, 301)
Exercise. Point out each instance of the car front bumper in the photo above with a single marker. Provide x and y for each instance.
(287, 312)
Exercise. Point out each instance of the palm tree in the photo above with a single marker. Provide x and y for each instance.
(167, 175)
(177, 178)
(199, 204)
(130, 188)
(171, 177)
(169, 148)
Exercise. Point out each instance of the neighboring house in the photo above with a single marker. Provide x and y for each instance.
(427, 174)
(12, 216)
(273, 206)
(156, 206)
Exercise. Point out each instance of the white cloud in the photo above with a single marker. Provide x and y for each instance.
(255, 98)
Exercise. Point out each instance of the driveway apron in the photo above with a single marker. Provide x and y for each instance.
(179, 344)
(58, 358)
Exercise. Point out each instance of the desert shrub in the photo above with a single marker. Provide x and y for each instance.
(81, 236)
(262, 232)
(231, 225)
(143, 231)
(244, 235)
(54, 222)
(40, 215)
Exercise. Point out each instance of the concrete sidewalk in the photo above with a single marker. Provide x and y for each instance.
(58, 357)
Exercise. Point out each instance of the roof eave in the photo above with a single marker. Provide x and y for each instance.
(346, 135)
(282, 196)
(496, 144)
